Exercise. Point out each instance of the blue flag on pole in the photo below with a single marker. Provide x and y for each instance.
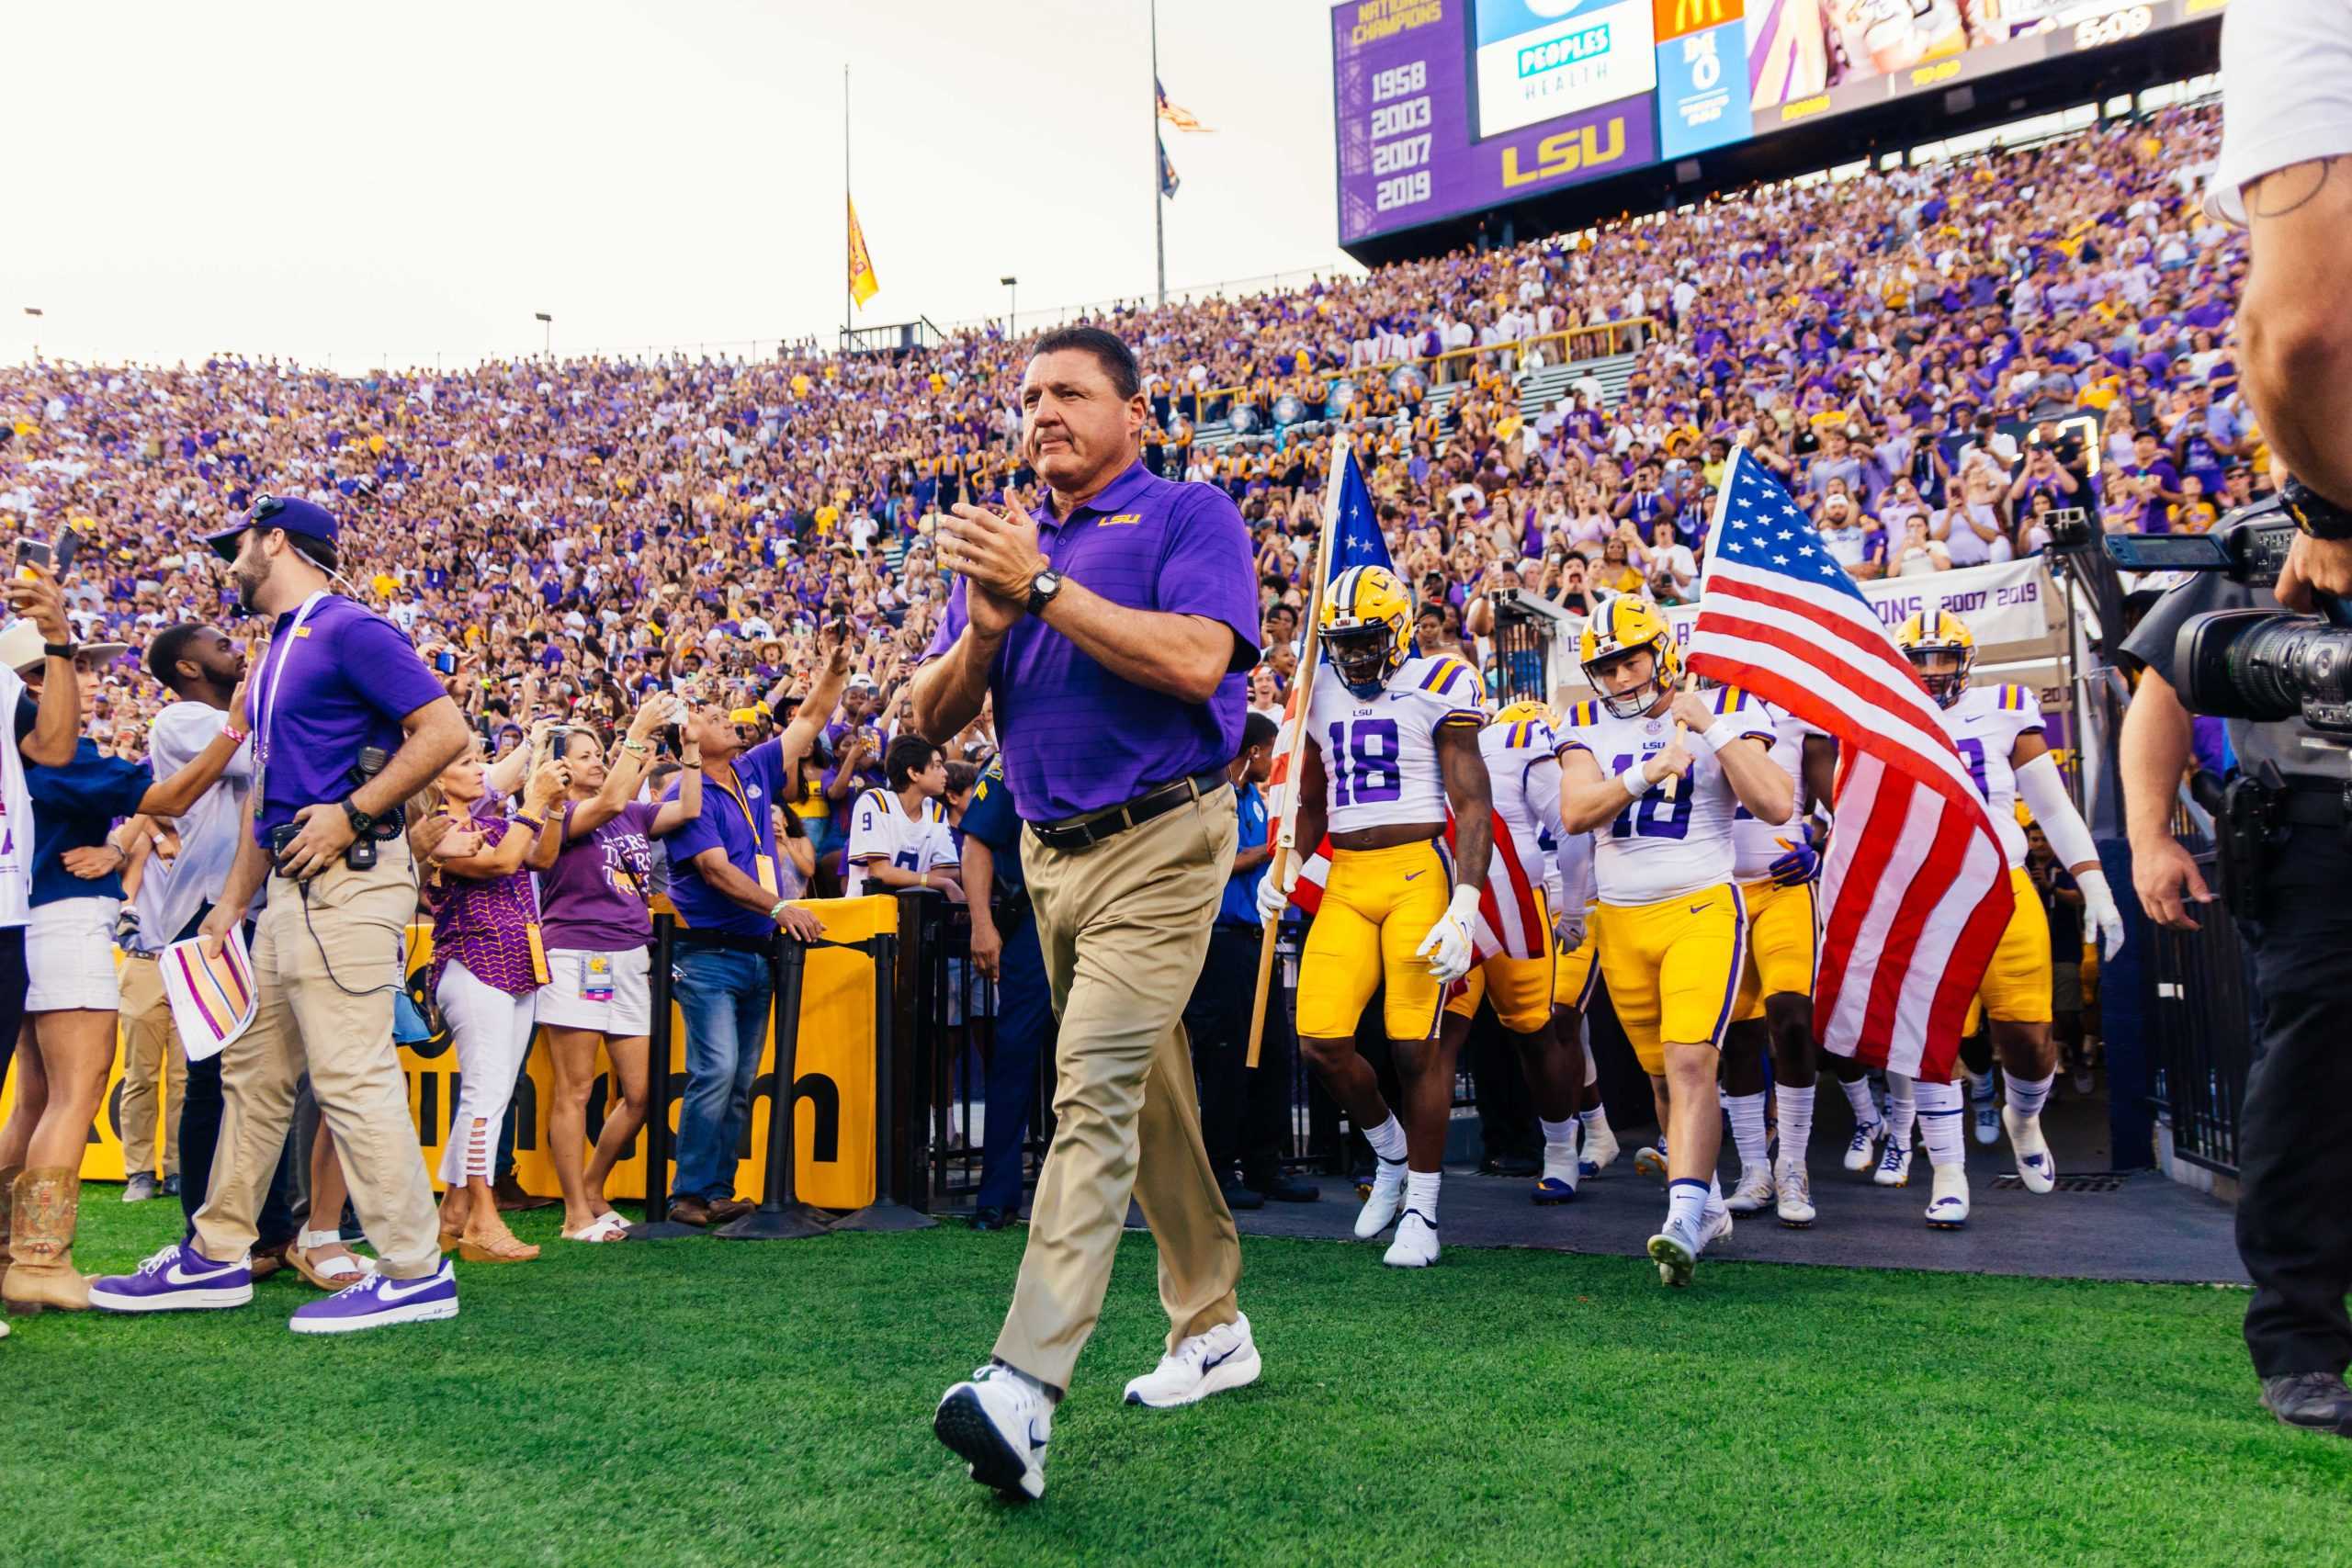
(1355, 538)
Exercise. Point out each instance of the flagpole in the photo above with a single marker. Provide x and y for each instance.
(1159, 184)
(1285, 836)
(848, 299)
(1714, 531)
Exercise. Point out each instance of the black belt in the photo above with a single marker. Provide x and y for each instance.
(2312, 805)
(1092, 828)
(733, 942)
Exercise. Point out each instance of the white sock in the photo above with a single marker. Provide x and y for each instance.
(1797, 1122)
(1980, 1085)
(1596, 1121)
(1591, 1071)
(1858, 1095)
(1560, 1149)
(1902, 1110)
(1387, 1140)
(1686, 1203)
(1939, 1113)
(1747, 1133)
(2028, 1096)
(1561, 1132)
(1420, 1192)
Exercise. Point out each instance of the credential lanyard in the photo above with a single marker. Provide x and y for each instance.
(274, 677)
(732, 790)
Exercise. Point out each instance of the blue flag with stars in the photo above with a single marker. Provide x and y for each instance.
(1355, 535)
(1763, 529)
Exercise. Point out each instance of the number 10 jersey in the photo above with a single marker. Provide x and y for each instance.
(1380, 754)
(1655, 848)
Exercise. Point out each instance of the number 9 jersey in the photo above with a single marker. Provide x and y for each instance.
(1984, 724)
(1380, 754)
(1655, 848)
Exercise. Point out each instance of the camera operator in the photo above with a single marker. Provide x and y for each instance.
(347, 723)
(2285, 839)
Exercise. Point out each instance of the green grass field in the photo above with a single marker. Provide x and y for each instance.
(713, 1403)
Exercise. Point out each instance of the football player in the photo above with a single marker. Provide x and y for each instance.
(1777, 869)
(1395, 742)
(1575, 978)
(1997, 731)
(1671, 933)
(1523, 774)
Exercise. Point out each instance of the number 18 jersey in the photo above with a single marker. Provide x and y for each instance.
(1655, 848)
(1380, 754)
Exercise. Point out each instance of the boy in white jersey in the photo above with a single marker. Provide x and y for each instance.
(1395, 742)
(1997, 731)
(1777, 868)
(893, 833)
(1671, 934)
(1524, 774)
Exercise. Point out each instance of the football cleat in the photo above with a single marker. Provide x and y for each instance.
(1553, 1190)
(1895, 1164)
(1755, 1190)
(1651, 1162)
(1793, 1184)
(1386, 1197)
(1862, 1149)
(2035, 1167)
(1601, 1151)
(1416, 1243)
(1948, 1208)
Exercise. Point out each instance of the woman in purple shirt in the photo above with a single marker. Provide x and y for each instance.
(598, 928)
(487, 964)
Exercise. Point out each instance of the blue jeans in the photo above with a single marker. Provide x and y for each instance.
(726, 998)
(1024, 1024)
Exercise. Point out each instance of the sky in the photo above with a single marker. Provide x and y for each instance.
(409, 184)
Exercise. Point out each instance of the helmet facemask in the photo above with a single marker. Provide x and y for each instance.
(1943, 670)
(1636, 700)
(1365, 656)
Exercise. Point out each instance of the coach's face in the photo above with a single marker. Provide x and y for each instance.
(1076, 430)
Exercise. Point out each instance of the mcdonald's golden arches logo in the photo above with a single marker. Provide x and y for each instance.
(1676, 18)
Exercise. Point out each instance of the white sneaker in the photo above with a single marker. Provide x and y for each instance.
(1755, 1190)
(1988, 1119)
(1380, 1210)
(999, 1422)
(1894, 1164)
(1651, 1162)
(1600, 1153)
(1209, 1362)
(1416, 1243)
(1793, 1183)
(1861, 1150)
(2035, 1167)
(1947, 1207)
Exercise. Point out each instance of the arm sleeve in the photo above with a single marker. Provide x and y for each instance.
(1543, 784)
(2043, 790)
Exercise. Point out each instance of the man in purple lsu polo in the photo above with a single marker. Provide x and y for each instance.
(336, 680)
(1111, 633)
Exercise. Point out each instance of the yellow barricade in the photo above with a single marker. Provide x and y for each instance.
(832, 1133)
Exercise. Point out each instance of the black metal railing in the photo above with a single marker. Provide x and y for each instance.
(2200, 1021)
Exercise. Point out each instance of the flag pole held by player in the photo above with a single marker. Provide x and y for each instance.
(1714, 526)
(1291, 750)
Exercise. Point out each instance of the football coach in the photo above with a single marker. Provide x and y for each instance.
(1112, 633)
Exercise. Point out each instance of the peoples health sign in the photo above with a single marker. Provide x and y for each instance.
(1538, 60)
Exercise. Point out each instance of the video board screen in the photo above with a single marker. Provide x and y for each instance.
(1446, 107)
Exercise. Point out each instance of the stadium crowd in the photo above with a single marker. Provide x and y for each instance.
(1933, 358)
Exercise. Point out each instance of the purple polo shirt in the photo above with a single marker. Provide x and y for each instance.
(347, 683)
(742, 826)
(1078, 738)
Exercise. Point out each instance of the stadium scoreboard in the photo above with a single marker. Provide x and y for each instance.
(1449, 107)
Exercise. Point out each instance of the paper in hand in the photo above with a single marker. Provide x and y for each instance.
(213, 1000)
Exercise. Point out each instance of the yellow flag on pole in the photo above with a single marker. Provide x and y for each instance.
(861, 283)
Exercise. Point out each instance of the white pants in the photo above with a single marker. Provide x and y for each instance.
(491, 1032)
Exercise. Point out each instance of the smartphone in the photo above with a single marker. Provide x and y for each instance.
(33, 552)
(68, 544)
(446, 662)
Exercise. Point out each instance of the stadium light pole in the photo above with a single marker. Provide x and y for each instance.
(1159, 184)
(1012, 299)
(547, 338)
(34, 311)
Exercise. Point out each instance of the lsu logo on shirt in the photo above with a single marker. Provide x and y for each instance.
(1124, 520)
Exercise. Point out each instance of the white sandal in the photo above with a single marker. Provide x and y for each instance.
(328, 1274)
(606, 1226)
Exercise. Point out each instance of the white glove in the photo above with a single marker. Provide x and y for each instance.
(1568, 926)
(2099, 904)
(1447, 947)
(1273, 898)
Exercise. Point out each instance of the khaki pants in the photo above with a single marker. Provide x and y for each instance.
(1124, 925)
(310, 1022)
(152, 1059)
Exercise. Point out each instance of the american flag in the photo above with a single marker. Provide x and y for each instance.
(1915, 887)
(1510, 918)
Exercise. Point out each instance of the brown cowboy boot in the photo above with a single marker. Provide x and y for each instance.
(47, 1202)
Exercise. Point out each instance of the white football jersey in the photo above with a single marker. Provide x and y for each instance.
(1523, 774)
(1380, 754)
(1655, 848)
(880, 829)
(1756, 843)
(1984, 726)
